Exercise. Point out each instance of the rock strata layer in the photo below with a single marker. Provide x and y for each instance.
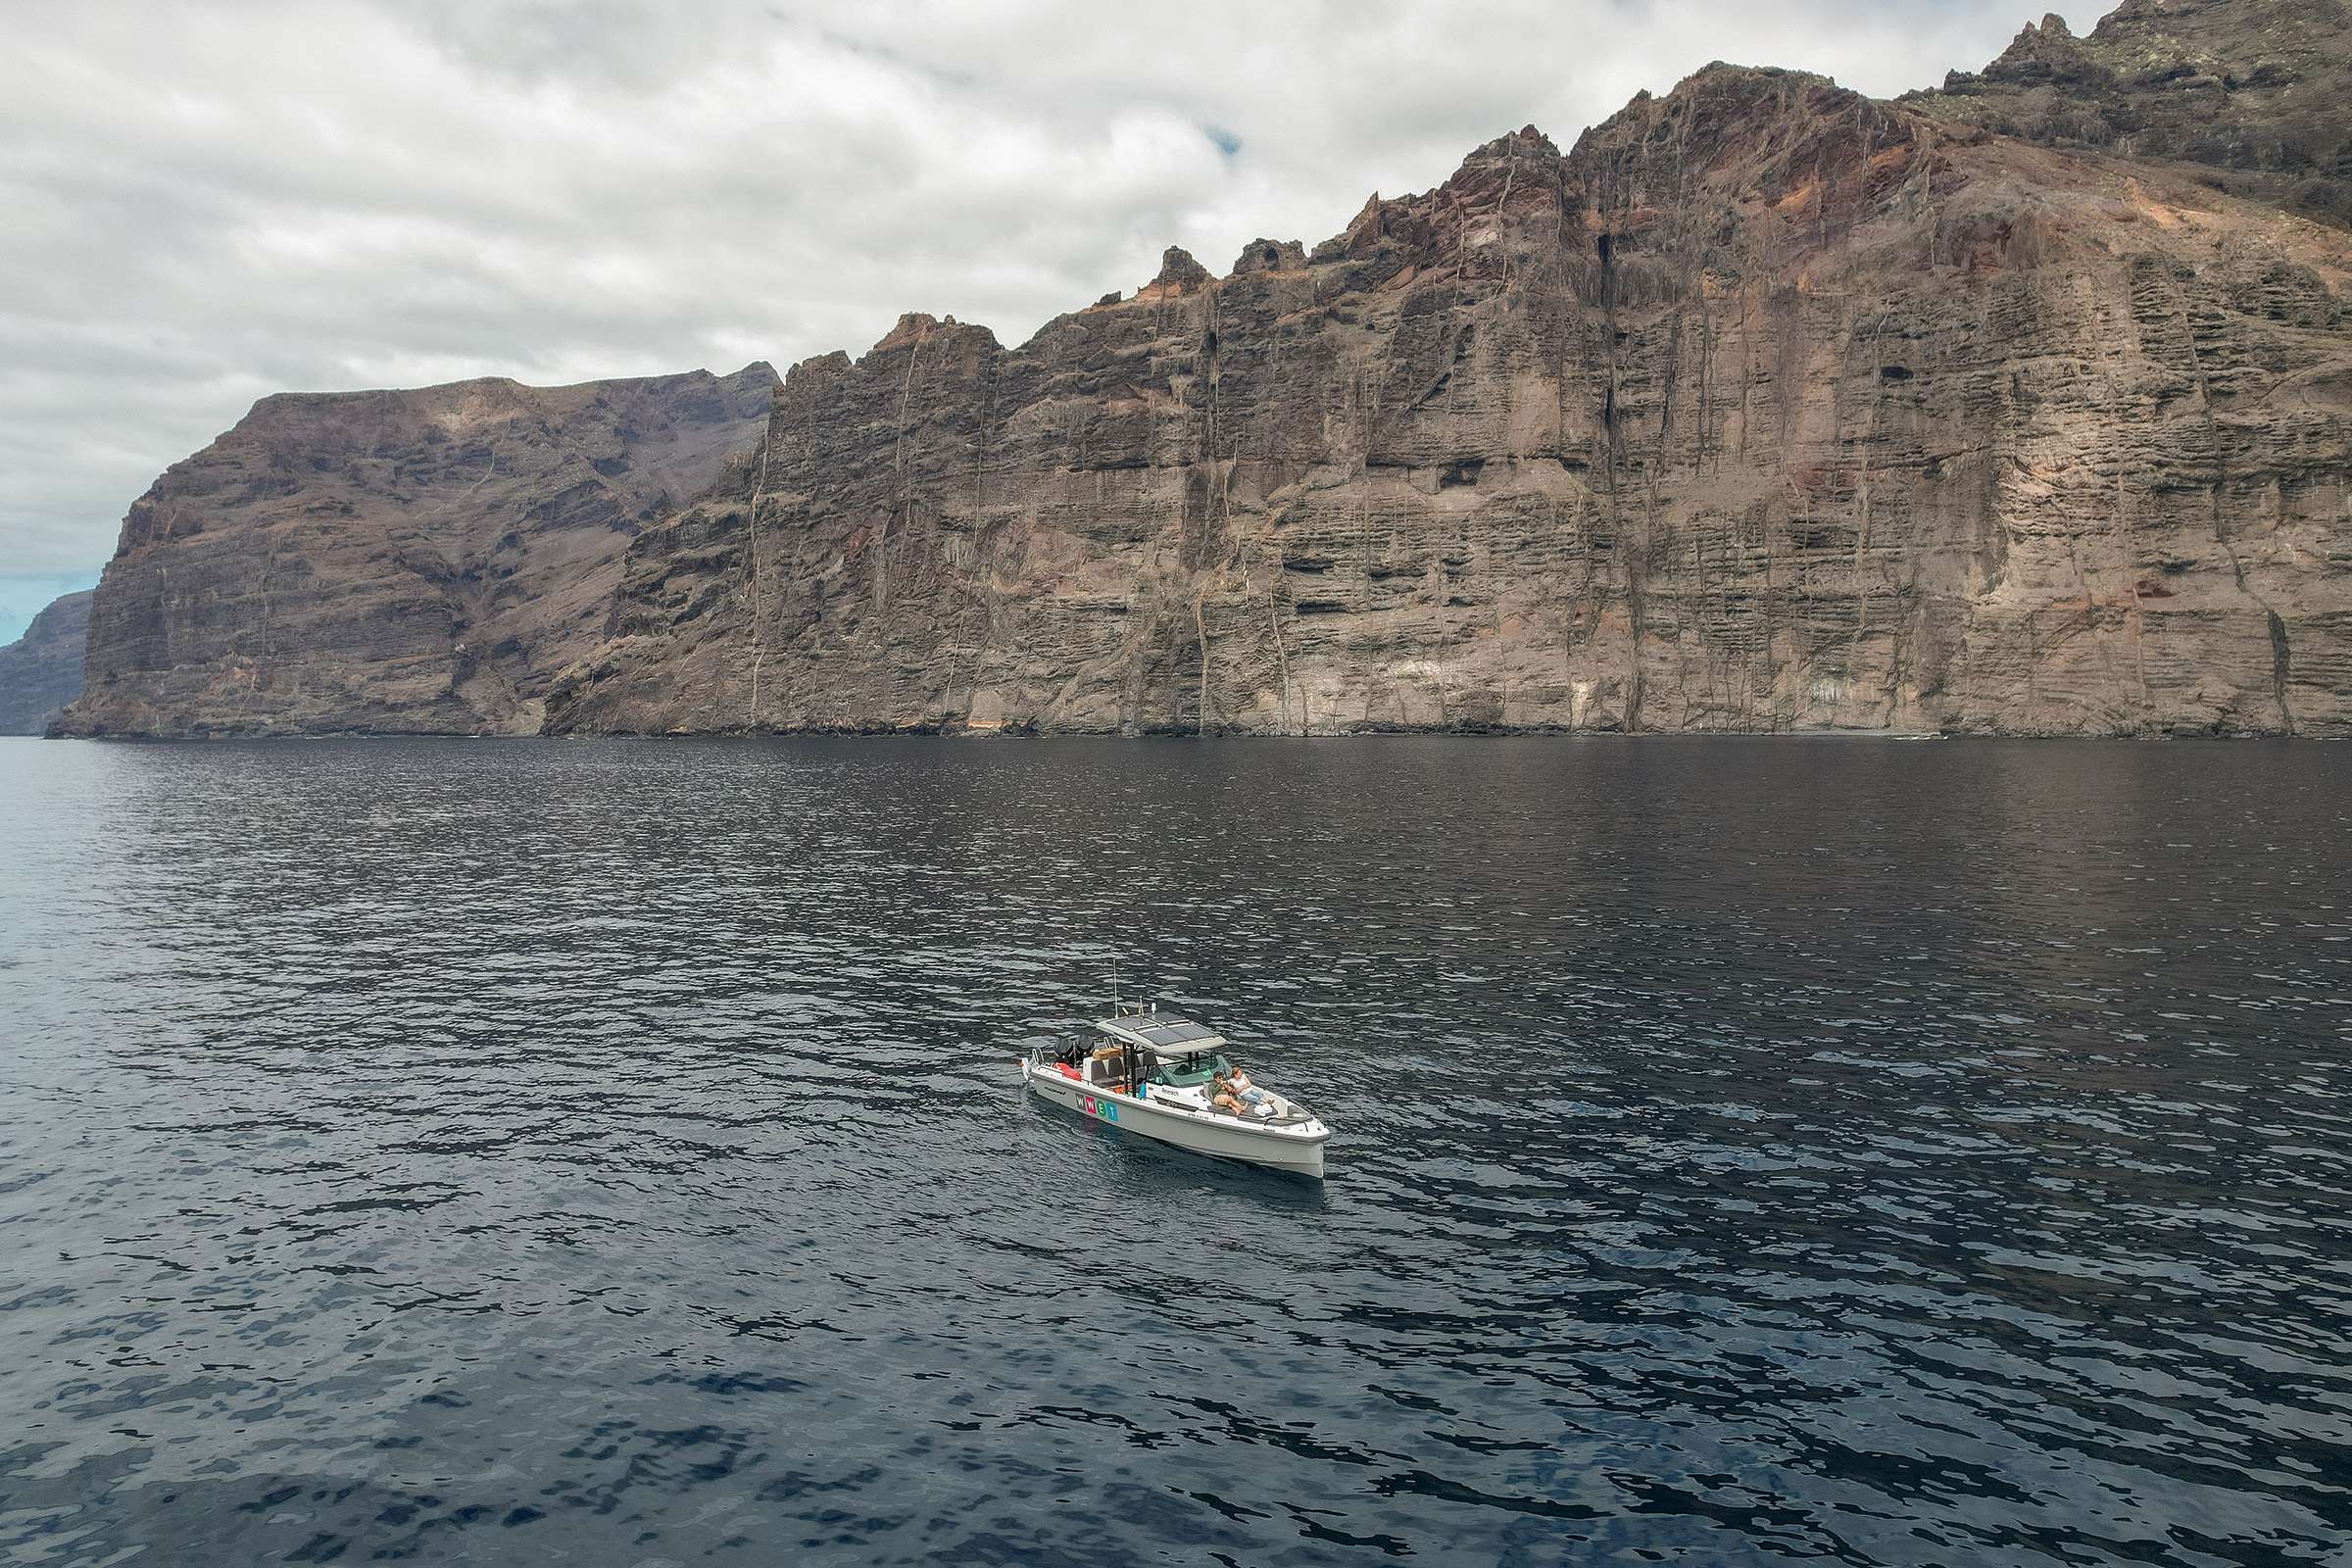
(396, 561)
(1766, 407)
(40, 672)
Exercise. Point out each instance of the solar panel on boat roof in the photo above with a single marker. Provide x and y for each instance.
(1175, 1032)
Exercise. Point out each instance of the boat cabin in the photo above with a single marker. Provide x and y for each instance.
(1155, 1048)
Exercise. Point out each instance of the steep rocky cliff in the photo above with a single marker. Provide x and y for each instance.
(2254, 91)
(40, 672)
(2020, 406)
(1766, 407)
(395, 561)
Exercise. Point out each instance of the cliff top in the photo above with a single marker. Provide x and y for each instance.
(448, 393)
(2254, 87)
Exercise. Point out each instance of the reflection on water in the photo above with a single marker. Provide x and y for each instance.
(1747, 1149)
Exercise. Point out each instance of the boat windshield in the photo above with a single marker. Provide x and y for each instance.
(1190, 1074)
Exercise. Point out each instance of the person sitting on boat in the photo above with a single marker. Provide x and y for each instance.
(1234, 1092)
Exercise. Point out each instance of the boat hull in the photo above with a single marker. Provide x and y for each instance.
(1222, 1137)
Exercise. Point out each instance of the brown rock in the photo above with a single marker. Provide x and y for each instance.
(1766, 407)
(2021, 406)
(1270, 256)
(2252, 89)
(395, 561)
(1179, 275)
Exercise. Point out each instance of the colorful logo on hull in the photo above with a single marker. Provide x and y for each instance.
(1099, 1107)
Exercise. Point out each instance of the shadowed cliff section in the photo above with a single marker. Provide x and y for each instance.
(395, 562)
(1765, 406)
(40, 672)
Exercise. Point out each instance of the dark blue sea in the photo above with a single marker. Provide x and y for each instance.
(488, 1153)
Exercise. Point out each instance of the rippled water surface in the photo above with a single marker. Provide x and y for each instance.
(490, 1152)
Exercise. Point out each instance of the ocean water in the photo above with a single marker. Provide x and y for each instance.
(613, 1153)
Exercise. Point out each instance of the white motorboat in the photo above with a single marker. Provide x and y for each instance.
(1151, 1072)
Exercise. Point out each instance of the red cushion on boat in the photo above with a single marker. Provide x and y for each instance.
(1067, 1071)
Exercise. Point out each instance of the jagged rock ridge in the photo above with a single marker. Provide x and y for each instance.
(411, 561)
(2254, 91)
(40, 672)
(1765, 406)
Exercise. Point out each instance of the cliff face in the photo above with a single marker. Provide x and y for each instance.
(395, 561)
(2255, 91)
(2023, 406)
(40, 672)
(1765, 406)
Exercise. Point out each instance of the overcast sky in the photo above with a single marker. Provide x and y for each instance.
(207, 202)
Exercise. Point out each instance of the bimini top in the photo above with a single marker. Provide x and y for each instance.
(1163, 1032)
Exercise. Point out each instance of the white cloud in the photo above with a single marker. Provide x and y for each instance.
(210, 202)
